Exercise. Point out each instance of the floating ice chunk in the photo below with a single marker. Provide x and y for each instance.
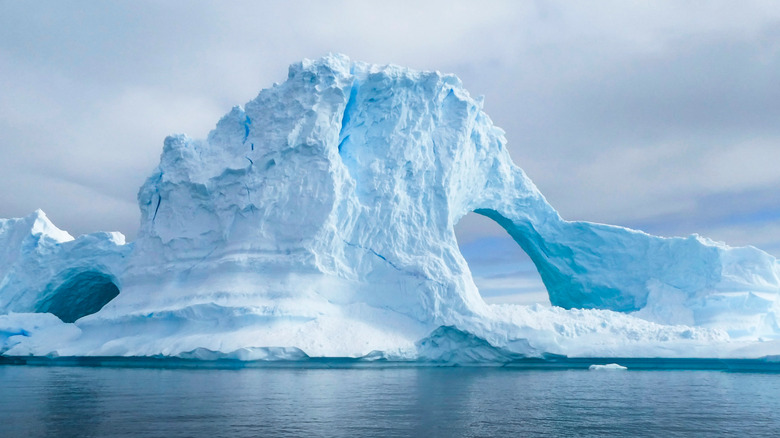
(607, 367)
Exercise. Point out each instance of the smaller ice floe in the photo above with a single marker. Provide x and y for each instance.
(607, 367)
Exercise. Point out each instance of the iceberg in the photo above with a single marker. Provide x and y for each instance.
(318, 221)
(44, 269)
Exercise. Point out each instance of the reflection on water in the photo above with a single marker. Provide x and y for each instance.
(446, 402)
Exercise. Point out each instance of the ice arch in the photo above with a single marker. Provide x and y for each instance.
(324, 210)
(567, 264)
(588, 265)
(38, 261)
(80, 293)
(355, 175)
(501, 270)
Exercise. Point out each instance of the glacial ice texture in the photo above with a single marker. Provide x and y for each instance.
(318, 220)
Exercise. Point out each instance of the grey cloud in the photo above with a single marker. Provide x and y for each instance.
(622, 112)
(647, 133)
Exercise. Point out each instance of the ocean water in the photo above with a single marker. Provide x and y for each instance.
(384, 402)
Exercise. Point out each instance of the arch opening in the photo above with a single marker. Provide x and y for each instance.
(82, 293)
(501, 269)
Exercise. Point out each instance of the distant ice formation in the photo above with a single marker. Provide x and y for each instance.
(44, 269)
(318, 220)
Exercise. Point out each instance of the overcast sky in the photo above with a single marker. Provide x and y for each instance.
(662, 116)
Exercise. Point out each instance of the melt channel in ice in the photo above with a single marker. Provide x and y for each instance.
(318, 221)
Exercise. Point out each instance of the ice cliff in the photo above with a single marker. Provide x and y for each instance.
(318, 220)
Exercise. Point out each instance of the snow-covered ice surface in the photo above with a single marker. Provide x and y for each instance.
(318, 221)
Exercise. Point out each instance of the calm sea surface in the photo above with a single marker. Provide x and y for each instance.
(424, 402)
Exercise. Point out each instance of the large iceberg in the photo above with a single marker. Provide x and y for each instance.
(318, 220)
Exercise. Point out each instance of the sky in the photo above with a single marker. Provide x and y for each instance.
(661, 116)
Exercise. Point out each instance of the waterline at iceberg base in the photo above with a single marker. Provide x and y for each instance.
(318, 222)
